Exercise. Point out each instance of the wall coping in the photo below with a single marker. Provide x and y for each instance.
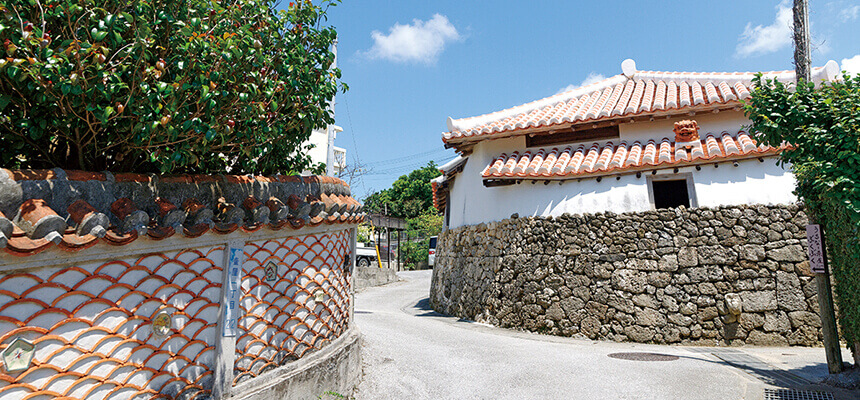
(76, 210)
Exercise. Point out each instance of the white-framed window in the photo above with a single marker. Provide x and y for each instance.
(672, 190)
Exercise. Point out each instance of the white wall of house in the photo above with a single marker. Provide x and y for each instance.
(751, 182)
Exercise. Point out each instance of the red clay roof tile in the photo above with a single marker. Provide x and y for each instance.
(581, 160)
(640, 93)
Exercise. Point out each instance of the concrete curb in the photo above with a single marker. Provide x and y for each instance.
(366, 277)
(336, 368)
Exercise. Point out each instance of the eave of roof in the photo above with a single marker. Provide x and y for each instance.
(587, 161)
(628, 95)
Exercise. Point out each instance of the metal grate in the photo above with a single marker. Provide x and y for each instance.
(790, 394)
(644, 356)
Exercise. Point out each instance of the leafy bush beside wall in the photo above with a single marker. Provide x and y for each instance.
(163, 85)
(823, 124)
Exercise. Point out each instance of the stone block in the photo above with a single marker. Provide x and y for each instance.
(776, 322)
(758, 301)
(644, 300)
(590, 327)
(716, 255)
(789, 293)
(708, 313)
(790, 253)
(659, 279)
(668, 263)
(680, 319)
(629, 281)
(650, 317)
(760, 338)
(641, 265)
(639, 334)
(688, 257)
(554, 312)
(752, 252)
(804, 318)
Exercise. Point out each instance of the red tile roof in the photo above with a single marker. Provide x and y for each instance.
(440, 183)
(583, 160)
(633, 93)
(60, 216)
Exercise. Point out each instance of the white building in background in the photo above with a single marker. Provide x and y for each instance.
(325, 151)
(636, 141)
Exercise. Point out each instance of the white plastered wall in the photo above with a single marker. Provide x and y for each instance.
(750, 182)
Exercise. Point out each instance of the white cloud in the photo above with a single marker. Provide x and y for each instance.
(419, 42)
(849, 14)
(852, 65)
(591, 78)
(767, 39)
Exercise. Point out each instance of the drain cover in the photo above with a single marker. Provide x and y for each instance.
(644, 356)
(791, 394)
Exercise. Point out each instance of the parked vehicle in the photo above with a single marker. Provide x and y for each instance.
(365, 254)
(431, 258)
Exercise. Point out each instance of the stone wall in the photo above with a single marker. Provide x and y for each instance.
(723, 276)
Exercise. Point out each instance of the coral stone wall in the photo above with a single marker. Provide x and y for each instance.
(729, 275)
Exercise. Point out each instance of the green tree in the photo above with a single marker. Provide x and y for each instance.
(409, 196)
(823, 126)
(163, 85)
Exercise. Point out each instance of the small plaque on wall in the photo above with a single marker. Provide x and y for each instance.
(162, 324)
(271, 272)
(18, 355)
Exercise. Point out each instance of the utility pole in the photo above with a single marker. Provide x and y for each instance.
(829, 332)
(801, 40)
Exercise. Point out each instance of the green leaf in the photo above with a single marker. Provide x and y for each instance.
(98, 35)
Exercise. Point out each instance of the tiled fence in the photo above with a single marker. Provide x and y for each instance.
(91, 323)
(304, 306)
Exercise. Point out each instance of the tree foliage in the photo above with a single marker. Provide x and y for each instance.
(409, 196)
(823, 126)
(163, 85)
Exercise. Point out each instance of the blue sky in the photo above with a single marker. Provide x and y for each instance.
(411, 64)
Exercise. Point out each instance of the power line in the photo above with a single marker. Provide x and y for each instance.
(354, 143)
(408, 157)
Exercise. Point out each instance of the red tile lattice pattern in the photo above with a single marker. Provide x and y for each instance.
(284, 318)
(91, 324)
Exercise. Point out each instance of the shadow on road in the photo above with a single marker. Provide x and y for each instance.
(424, 305)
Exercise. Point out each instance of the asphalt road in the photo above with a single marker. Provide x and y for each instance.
(411, 352)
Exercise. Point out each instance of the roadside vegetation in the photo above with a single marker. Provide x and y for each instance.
(164, 85)
(823, 125)
(411, 197)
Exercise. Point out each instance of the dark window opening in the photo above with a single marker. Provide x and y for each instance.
(547, 139)
(670, 194)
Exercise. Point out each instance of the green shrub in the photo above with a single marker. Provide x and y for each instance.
(823, 125)
(414, 253)
(163, 85)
